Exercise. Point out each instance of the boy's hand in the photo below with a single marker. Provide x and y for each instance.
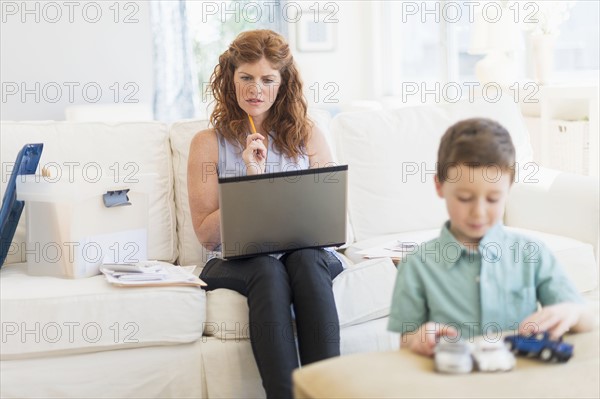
(423, 340)
(556, 319)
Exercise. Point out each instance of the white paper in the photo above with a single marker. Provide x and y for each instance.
(395, 249)
(164, 274)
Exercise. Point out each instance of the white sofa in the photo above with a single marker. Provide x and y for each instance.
(182, 342)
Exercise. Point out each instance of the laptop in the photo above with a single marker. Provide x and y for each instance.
(285, 211)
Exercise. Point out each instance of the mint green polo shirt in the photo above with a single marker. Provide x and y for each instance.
(478, 293)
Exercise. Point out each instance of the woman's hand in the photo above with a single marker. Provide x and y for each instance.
(255, 154)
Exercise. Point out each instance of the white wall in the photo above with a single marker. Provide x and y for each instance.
(42, 57)
(345, 74)
(34, 50)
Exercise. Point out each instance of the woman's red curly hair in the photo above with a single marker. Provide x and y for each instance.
(288, 115)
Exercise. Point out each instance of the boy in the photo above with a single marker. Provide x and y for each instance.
(476, 278)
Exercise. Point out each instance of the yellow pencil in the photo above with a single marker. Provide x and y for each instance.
(252, 124)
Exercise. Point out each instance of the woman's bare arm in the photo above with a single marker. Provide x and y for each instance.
(202, 182)
(318, 149)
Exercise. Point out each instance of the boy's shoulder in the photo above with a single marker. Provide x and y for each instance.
(512, 235)
(518, 246)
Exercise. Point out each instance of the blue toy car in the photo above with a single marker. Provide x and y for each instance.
(540, 345)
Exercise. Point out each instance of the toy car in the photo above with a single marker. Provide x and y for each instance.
(492, 355)
(453, 357)
(540, 345)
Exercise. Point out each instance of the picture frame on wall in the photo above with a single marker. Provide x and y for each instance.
(314, 32)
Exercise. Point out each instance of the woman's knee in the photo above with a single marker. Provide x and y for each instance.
(305, 262)
(312, 262)
(307, 256)
(268, 270)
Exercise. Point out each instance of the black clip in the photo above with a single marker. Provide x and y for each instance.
(116, 198)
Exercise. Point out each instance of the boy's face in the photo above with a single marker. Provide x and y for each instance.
(475, 199)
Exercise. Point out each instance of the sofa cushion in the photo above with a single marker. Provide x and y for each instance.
(382, 197)
(54, 316)
(392, 155)
(362, 293)
(372, 336)
(576, 257)
(226, 315)
(231, 371)
(169, 371)
(81, 148)
(556, 202)
(181, 134)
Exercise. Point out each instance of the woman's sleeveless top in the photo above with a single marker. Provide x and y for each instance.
(231, 163)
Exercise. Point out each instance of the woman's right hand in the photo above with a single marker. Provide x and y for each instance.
(255, 154)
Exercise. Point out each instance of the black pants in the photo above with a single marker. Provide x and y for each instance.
(302, 278)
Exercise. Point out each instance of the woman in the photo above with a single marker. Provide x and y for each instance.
(260, 125)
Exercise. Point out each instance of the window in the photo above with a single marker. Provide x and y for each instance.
(433, 41)
(578, 46)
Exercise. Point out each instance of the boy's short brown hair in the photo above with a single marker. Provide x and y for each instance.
(476, 142)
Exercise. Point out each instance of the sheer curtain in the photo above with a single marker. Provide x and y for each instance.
(175, 80)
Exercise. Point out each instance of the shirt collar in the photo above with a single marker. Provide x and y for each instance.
(493, 235)
(491, 241)
(447, 240)
(492, 238)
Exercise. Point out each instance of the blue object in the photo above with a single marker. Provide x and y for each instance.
(25, 164)
(540, 345)
(116, 198)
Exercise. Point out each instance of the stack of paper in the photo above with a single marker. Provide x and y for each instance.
(395, 250)
(149, 273)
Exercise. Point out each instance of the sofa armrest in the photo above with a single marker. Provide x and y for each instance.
(555, 202)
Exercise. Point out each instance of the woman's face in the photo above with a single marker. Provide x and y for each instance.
(256, 87)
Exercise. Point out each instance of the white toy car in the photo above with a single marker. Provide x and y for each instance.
(453, 357)
(492, 355)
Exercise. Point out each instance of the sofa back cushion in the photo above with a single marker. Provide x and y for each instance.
(392, 157)
(190, 250)
(72, 148)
